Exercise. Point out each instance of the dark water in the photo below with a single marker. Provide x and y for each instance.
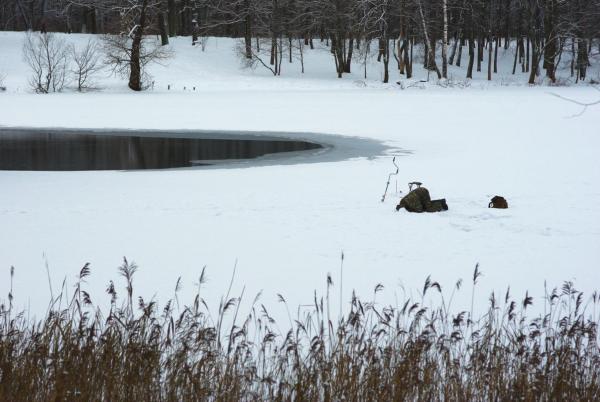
(71, 151)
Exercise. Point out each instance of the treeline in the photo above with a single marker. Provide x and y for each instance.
(469, 32)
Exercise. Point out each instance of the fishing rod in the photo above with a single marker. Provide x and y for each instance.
(390, 178)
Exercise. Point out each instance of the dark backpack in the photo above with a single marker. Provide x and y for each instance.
(498, 202)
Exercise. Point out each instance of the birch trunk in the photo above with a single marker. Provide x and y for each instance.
(445, 40)
(430, 48)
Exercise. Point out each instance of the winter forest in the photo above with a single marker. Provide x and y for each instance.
(299, 200)
(462, 32)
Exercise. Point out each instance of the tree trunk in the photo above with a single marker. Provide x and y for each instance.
(172, 18)
(514, 70)
(479, 52)
(348, 62)
(445, 40)
(248, 36)
(496, 55)
(280, 53)
(403, 40)
(273, 60)
(551, 48)
(90, 20)
(42, 22)
(386, 62)
(534, 61)
(527, 56)
(572, 56)
(195, 31)
(490, 48)
(409, 66)
(162, 28)
(507, 26)
(431, 46)
(582, 58)
(135, 75)
(186, 20)
(453, 52)
(301, 50)
(471, 56)
(400, 50)
(522, 54)
(338, 54)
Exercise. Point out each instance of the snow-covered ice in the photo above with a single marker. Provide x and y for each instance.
(287, 225)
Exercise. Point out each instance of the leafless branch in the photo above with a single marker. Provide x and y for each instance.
(584, 105)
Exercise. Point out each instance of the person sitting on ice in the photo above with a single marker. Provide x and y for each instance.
(418, 200)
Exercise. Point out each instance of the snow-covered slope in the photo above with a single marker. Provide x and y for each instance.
(287, 225)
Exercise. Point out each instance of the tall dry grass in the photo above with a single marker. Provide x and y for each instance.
(135, 351)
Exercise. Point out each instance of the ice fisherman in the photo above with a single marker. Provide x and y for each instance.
(418, 200)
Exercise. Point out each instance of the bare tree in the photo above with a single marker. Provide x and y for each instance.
(430, 55)
(129, 53)
(404, 43)
(251, 14)
(47, 57)
(121, 55)
(259, 56)
(86, 64)
(376, 22)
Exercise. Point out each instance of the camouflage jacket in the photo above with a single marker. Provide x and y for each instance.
(419, 200)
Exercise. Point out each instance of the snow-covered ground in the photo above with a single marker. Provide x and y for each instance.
(287, 226)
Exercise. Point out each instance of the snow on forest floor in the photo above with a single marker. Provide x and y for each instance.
(286, 226)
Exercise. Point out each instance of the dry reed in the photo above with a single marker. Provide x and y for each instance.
(138, 352)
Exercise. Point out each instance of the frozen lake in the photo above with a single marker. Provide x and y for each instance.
(287, 219)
